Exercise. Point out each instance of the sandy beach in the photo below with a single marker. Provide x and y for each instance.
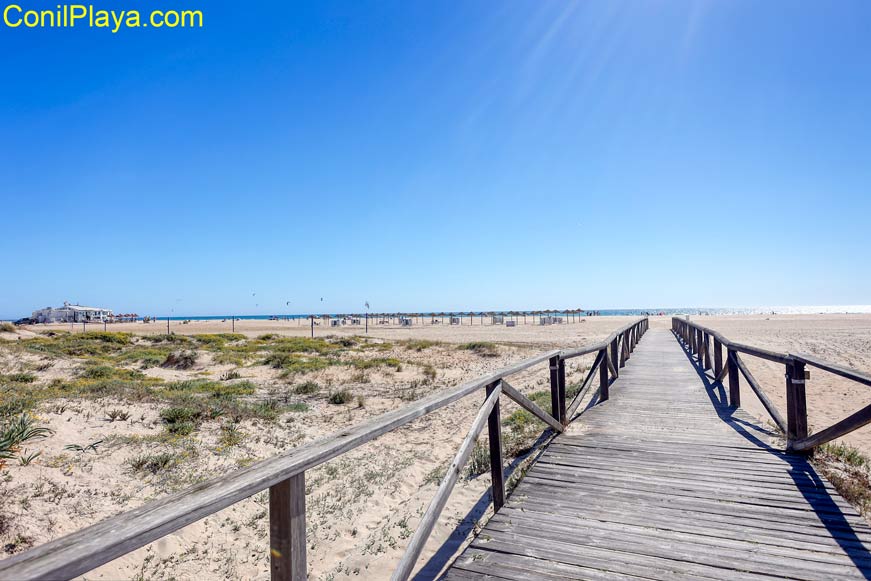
(363, 506)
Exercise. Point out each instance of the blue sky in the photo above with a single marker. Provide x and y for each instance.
(432, 155)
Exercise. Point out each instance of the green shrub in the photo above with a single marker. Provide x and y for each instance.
(479, 461)
(340, 397)
(176, 339)
(153, 463)
(306, 388)
(107, 372)
(396, 364)
(177, 415)
(146, 356)
(209, 387)
(180, 360)
(303, 345)
(293, 363)
(18, 378)
(420, 344)
(481, 348)
(17, 432)
(217, 339)
(107, 337)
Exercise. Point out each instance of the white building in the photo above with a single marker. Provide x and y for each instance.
(71, 314)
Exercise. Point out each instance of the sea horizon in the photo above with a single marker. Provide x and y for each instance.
(666, 311)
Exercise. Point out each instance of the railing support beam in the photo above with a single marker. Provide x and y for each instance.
(287, 529)
(562, 391)
(604, 392)
(615, 356)
(554, 389)
(718, 357)
(497, 473)
(734, 385)
(796, 403)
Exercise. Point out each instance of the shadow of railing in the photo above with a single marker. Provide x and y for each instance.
(807, 481)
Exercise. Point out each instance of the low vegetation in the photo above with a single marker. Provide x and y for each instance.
(180, 360)
(420, 344)
(340, 397)
(16, 432)
(306, 388)
(7, 328)
(849, 471)
(481, 348)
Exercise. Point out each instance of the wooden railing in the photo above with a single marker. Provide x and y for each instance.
(284, 475)
(698, 341)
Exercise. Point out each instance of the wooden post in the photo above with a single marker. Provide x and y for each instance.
(796, 403)
(614, 355)
(604, 392)
(718, 357)
(707, 348)
(734, 385)
(494, 428)
(627, 346)
(287, 529)
(562, 391)
(554, 388)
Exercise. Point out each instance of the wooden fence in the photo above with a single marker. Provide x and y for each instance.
(698, 340)
(284, 475)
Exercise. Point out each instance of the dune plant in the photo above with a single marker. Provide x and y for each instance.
(180, 360)
(482, 348)
(18, 431)
(340, 397)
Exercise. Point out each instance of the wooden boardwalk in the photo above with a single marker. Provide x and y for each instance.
(664, 481)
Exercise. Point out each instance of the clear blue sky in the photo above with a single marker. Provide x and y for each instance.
(436, 155)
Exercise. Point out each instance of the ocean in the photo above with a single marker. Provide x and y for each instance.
(765, 310)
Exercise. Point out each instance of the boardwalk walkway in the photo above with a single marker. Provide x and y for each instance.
(664, 481)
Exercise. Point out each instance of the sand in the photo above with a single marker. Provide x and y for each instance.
(363, 506)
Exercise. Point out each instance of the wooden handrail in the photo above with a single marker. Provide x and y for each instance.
(795, 427)
(88, 548)
(852, 374)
